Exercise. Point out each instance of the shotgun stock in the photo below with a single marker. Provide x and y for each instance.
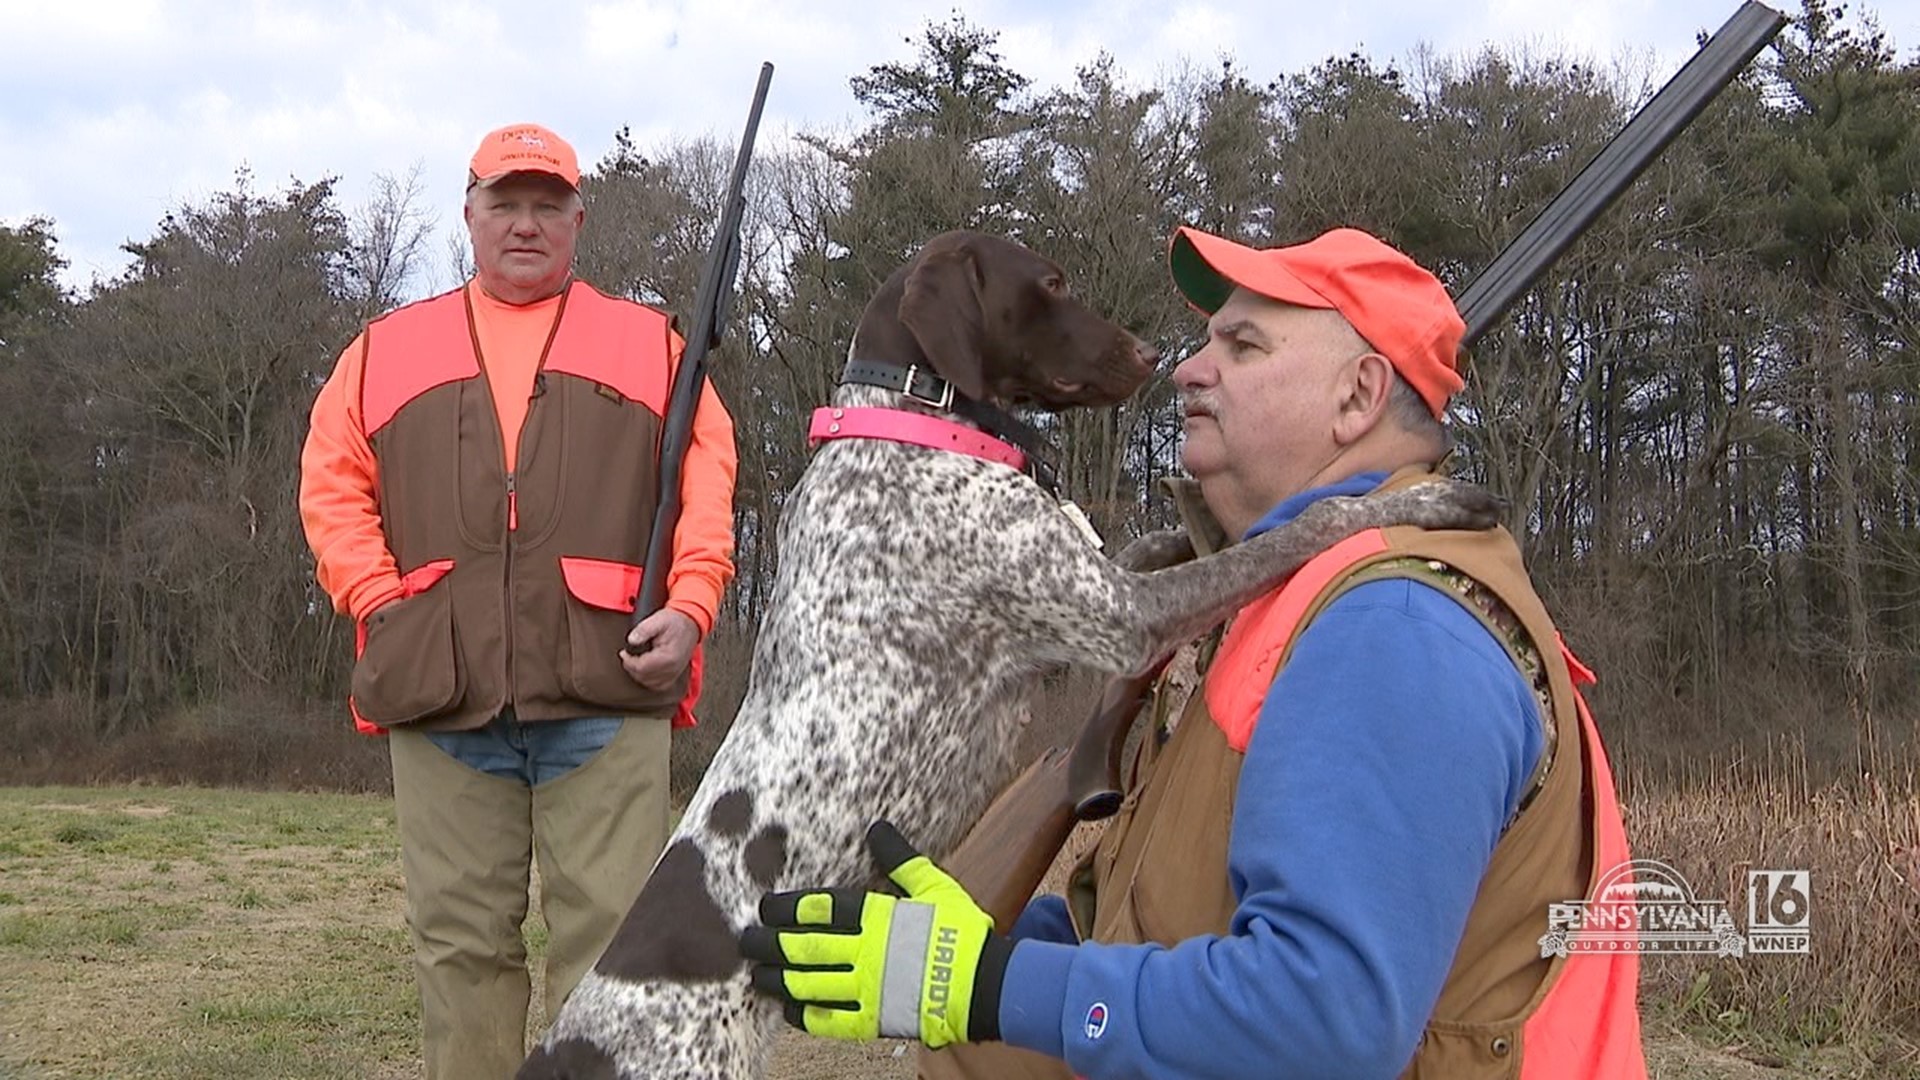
(1004, 858)
(1093, 773)
(1022, 831)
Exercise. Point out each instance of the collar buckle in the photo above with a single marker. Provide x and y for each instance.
(942, 399)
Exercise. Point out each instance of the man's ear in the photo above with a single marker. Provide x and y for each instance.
(940, 307)
(1368, 385)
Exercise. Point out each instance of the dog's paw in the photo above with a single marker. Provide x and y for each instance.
(1446, 504)
(1155, 551)
(1435, 504)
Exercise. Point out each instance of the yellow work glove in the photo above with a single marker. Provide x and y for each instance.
(850, 964)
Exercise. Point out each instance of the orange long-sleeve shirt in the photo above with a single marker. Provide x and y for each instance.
(340, 481)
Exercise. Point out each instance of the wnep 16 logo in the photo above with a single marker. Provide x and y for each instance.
(1777, 911)
(1646, 906)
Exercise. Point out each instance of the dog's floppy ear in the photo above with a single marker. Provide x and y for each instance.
(940, 307)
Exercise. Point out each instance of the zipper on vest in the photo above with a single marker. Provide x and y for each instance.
(513, 499)
(506, 579)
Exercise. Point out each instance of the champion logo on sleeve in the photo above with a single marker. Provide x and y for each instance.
(1097, 1020)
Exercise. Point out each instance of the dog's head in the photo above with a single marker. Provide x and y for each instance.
(1001, 323)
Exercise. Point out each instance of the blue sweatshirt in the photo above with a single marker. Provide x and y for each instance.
(1390, 754)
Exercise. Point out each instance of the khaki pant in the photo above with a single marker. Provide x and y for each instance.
(466, 843)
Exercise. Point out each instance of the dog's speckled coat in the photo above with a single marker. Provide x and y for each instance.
(919, 593)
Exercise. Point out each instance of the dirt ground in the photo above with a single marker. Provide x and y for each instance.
(802, 1058)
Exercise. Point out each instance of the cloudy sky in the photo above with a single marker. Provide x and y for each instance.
(114, 111)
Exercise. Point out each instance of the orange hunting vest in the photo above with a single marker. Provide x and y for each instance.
(518, 588)
(1581, 1021)
(1160, 871)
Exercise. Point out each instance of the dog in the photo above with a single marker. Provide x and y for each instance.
(921, 591)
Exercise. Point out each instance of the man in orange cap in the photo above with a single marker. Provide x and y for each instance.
(478, 486)
(1339, 860)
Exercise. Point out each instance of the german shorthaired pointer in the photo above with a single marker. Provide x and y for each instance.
(920, 591)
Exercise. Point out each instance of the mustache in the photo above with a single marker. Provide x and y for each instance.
(1200, 402)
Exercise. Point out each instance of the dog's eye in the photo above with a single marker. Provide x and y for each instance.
(1055, 284)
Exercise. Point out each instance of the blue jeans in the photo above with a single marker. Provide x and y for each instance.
(530, 753)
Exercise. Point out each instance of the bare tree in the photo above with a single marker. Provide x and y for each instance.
(387, 237)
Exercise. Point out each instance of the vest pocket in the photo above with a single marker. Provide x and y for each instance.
(1447, 1050)
(600, 599)
(408, 671)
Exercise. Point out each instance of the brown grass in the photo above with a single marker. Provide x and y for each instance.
(263, 742)
(179, 933)
(1713, 792)
(257, 742)
(1859, 986)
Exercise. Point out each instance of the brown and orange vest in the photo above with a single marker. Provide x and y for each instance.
(1160, 871)
(518, 587)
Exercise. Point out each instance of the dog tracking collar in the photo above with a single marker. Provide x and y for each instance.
(927, 388)
(919, 429)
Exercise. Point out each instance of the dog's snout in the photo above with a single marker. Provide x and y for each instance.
(1148, 357)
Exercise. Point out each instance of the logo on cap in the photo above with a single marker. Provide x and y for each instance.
(523, 148)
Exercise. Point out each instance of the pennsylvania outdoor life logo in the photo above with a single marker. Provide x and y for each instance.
(1646, 906)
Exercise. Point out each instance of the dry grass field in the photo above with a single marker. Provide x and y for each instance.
(175, 933)
(1856, 996)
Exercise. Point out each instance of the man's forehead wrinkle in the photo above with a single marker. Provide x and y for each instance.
(1242, 328)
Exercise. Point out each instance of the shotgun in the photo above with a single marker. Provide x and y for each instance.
(711, 306)
(1002, 861)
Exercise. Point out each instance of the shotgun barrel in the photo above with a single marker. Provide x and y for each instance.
(711, 306)
(1522, 262)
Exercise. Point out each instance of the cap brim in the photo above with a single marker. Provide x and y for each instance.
(489, 181)
(1207, 268)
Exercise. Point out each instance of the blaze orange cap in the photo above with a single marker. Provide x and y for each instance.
(1401, 309)
(523, 148)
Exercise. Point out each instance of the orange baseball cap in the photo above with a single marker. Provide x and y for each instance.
(1399, 307)
(523, 148)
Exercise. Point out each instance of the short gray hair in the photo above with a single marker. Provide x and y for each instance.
(1410, 411)
(1404, 404)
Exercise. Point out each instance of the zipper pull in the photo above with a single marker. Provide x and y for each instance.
(513, 506)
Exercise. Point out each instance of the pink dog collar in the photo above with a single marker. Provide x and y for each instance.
(918, 429)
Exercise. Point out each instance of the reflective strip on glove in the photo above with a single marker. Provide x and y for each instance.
(849, 964)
